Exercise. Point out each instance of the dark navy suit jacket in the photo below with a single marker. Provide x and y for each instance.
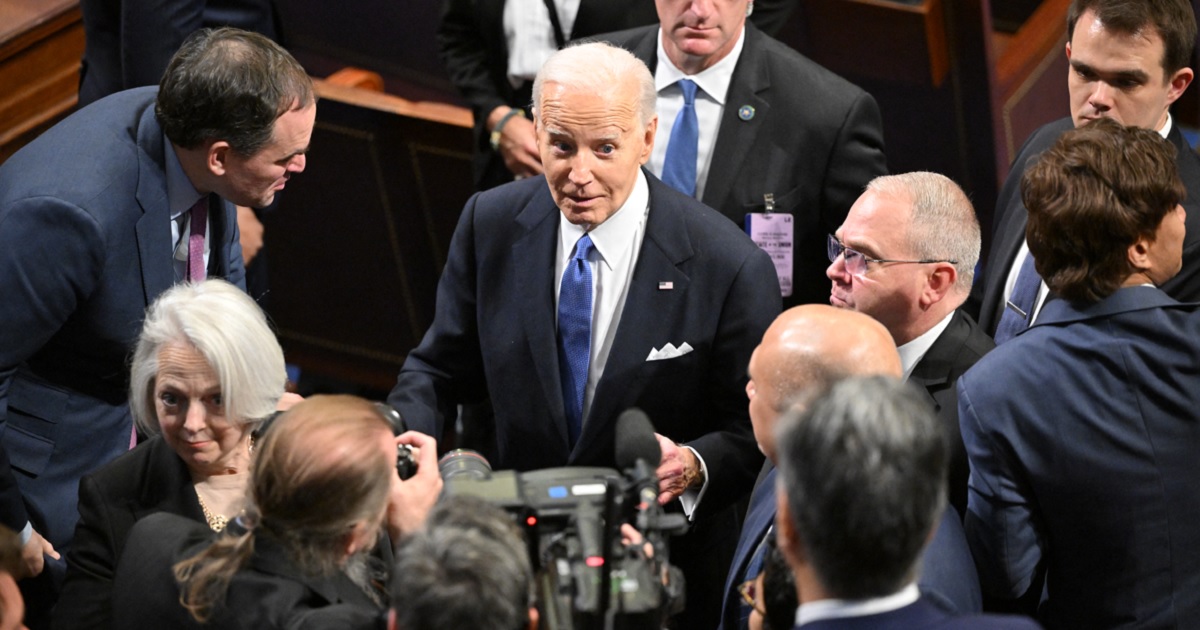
(986, 303)
(1082, 434)
(815, 154)
(85, 247)
(494, 335)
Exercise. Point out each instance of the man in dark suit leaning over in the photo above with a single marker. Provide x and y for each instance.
(906, 256)
(862, 481)
(100, 215)
(773, 141)
(1129, 61)
(571, 297)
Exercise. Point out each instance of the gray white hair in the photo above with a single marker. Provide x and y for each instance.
(229, 329)
(597, 67)
(469, 568)
(943, 225)
(863, 470)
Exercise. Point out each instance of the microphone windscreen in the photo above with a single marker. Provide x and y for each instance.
(635, 440)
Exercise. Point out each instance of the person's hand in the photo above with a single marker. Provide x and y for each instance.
(631, 537)
(677, 471)
(518, 144)
(413, 498)
(250, 232)
(34, 554)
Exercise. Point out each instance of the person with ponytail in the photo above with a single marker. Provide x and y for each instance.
(323, 505)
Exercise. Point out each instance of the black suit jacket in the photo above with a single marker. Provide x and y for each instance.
(814, 142)
(986, 303)
(269, 592)
(494, 333)
(475, 51)
(924, 614)
(954, 352)
(130, 42)
(151, 478)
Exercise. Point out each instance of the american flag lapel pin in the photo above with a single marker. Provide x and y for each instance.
(666, 286)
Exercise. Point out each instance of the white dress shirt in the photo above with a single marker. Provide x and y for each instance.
(845, 608)
(181, 196)
(617, 241)
(710, 104)
(530, 35)
(1043, 290)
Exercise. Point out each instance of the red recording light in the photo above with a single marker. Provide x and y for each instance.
(595, 562)
(531, 521)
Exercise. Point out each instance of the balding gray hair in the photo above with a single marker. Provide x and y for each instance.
(597, 67)
(943, 225)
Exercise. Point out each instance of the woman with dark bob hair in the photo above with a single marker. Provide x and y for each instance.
(1082, 431)
(206, 372)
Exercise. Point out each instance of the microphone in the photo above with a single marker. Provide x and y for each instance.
(638, 454)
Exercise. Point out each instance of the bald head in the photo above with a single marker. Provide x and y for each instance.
(807, 349)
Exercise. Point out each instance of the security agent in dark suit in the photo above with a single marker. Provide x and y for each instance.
(1092, 486)
(680, 298)
(784, 146)
(1129, 62)
(861, 484)
(906, 256)
(89, 212)
(477, 37)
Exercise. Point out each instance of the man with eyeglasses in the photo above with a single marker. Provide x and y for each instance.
(906, 256)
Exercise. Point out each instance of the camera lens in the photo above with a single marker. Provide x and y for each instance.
(464, 463)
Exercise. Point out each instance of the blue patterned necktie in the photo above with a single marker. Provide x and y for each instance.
(575, 333)
(1018, 311)
(679, 167)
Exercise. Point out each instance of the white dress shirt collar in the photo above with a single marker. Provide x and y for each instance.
(844, 608)
(714, 80)
(912, 352)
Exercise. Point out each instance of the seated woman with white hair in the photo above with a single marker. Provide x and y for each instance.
(206, 373)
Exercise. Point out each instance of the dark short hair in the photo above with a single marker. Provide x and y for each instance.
(469, 568)
(1091, 196)
(863, 471)
(1173, 19)
(232, 85)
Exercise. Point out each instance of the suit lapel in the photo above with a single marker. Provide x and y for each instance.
(665, 246)
(933, 371)
(153, 228)
(735, 136)
(534, 253)
(759, 518)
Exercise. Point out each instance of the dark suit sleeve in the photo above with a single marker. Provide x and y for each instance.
(151, 32)
(447, 368)
(857, 159)
(770, 15)
(1002, 530)
(51, 254)
(86, 600)
(731, 453)
(466, 57)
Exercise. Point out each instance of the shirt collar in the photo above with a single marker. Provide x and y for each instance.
(181, 194)
(912, 352)
(714, 80)
(843, 608)
(1166, 128)
(613, 238)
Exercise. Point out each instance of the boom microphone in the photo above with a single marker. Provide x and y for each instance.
(638, 454)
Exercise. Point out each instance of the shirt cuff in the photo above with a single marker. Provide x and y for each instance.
(26, 533)
(690, 499)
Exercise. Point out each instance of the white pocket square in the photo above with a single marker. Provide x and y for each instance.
(669, 351)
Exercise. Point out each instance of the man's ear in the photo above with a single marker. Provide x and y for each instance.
(1139, 254)
(648, 149)
(216, 157)
(1179, 83)
(939, 283)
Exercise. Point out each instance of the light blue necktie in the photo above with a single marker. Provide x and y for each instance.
(1018, 311)
(679, 167)
(575, 333)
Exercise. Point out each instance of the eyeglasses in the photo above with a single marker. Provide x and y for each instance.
(856, 261)
(747, 590)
